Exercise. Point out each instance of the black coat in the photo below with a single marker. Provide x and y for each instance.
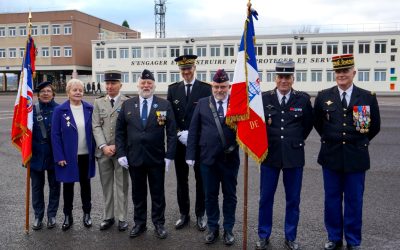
(287, 128)
(177, 97)
(343, 148)
(145, 145)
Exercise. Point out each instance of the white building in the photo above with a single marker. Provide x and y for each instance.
(376, 58)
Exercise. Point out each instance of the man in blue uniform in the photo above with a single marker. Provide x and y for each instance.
(288, 114)
(347, 118)
(219, 160)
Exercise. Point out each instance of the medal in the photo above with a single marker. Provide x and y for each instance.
(327, 116)
(161, 117)
(358, 128)
(362, 131)
(269, 121)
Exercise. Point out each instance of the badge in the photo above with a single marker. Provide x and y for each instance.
(362, 118)
(136, 106)
(329, 102)
(161, 117)
(67, 119)
(269, 121)
(296, 109)
(176, 101)
(155, 105)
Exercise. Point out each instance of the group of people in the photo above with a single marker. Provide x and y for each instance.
(91, 88)
(140, 137)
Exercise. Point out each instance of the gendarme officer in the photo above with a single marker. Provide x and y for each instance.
(347, 119)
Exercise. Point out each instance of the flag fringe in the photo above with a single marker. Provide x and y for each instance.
(247, 150)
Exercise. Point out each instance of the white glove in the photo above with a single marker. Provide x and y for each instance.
(183, 136)
(123, 161)
(190, 163)
(167, 164)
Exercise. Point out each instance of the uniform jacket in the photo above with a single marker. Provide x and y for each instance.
(343, 148)
(177, 97)
(104, 121)
(42, 154)
(145, 145)
(203, 132)
(65, 142)
(287, 128)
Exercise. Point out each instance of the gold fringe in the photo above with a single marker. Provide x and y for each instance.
(249, 152)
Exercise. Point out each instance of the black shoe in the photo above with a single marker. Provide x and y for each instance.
(229, 239)
(137, 230)
(160, 231)
(262, 244)
(292, 245)
(87, 221)
(106, 224)
(68, 221)
(201, 223)
(212, 236)
(353, 247)
(122, 226)
(37, 224)
(333, 245)
(51, 222)
(182, 222)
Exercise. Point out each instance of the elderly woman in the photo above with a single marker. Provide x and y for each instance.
(73, 150)
(42, 158)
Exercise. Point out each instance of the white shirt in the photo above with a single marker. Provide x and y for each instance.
(191, 87)
(348, 93)
(224, 104)
(77, 112)
(149, 102)
(280, 96)
(115, 98)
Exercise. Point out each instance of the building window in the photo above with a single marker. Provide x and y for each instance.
(201, 75)
(363, 48)
(112, 53)
(45, 29)
(12, 52)
(148, 52)
(45, 52)
(392, 58)
(380, 47)
(380, 75)
(301, 76)
(188, 50)
(175, 76)
(260, 76)
(2, 53)
(271, 75)
(229, 50)
(2, 31)
(56, 51)
(201, 51)
(174, 51)
(55, 29)
(136, 76)
(363, 75)
(330, 76)
(316, 48)
(301, 49)
(212, 74)
(332, 48)
(230, 75)
(393, 42)
(100, 53)
(68, 51)
(11, 31)
(34, 31)
(99, 76)
(162, 77)
(21, 52)
(123, 53)
(125, 77)
(161, 51)
(348, 48)
(215, 50)
(286, 49)
(316, 75)
(258, 48)
(272, 49)
(67, 29)
(22, 30)
(136, 52)
(393, 50)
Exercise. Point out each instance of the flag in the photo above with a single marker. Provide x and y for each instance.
(245, 110)
(21, 130)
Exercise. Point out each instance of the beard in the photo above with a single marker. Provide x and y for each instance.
(146, 93)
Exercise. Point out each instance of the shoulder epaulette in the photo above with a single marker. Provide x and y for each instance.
(100, 96)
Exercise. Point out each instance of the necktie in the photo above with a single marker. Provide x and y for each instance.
(283, 102)
(188, 91)
(112, 103)
(144, 113)
(344, 102)
(220, 111)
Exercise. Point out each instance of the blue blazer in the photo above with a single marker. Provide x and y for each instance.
(64, 140)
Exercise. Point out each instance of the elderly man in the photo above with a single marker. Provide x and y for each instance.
(347, 118)
(219, 161)
(140, 135)
(288, 114)
(104, 119)
(184, 96)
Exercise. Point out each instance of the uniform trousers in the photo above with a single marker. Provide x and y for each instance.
(38, 181)
(84, 181)
(139, 176)
(348, 188)
(182, 179)
(292, 180)
(225, 175)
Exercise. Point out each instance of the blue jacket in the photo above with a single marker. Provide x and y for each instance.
(64, 140)
(42, 155)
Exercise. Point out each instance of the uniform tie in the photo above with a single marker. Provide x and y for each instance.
(144, 113)
(344, 102)
(220, 111)
(283, 102)
(188, 91)
(112, 103)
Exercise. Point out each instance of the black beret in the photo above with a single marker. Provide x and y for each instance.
(220, 76)
(146, 74)
(112, 75)
(186, 61)
(42, 85)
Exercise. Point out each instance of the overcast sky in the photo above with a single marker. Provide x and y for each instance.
(226, 17)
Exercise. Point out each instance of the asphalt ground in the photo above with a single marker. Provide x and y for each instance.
(381, 216)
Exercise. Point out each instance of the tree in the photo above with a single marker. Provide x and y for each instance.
(125, 24)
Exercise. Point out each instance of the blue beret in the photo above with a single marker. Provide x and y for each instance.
(42, 85)
(146, 74)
